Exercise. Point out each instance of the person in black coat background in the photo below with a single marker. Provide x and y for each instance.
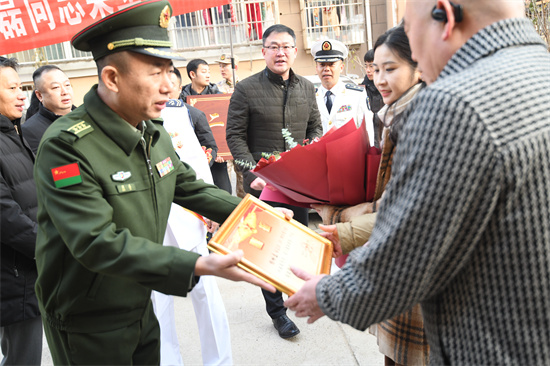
(218, 167)
(21, 324)
(374, 99)
(54, 92)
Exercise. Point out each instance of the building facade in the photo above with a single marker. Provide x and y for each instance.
(207, 33)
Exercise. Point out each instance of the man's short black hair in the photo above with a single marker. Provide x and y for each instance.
(193, 65)
(279, 28)
(9, 62)
(369, 56)
(41, 70)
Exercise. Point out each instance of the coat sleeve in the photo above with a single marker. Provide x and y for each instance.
(203, 131)
(356, 232)
(431, 218)
(314, 125)
(238, 119)
(18, 230)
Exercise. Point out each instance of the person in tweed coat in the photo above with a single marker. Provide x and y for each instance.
(464, 228)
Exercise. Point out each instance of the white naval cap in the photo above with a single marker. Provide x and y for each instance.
(329, 50)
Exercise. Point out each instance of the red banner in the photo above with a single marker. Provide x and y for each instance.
(28, 24)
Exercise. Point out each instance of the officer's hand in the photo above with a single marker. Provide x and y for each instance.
(211, 226)
(225, 266)
(257, 184)
(219, 159)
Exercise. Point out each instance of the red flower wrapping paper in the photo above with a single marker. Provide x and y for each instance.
(331, 171)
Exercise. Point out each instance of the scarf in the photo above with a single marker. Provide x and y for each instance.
(388, 115)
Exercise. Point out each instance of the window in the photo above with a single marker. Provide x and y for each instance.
(203, 29)
(50, 54)
(210, 28)
(342, 20)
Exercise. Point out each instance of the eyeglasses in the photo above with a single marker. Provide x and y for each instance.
(285, 49)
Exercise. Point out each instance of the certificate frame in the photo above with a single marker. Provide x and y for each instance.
(215, 107)
(271, 244)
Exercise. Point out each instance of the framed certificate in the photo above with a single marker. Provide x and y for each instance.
(271, 244)
(215, 106)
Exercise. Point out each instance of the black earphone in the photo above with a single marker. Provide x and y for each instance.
(440, 15)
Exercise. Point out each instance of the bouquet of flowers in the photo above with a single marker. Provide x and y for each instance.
(333, 170)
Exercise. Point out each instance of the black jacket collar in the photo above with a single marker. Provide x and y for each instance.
(6, 124)
(278, 79)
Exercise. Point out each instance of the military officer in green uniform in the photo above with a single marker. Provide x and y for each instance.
(106, 175)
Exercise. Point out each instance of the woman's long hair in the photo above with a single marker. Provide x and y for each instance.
(397, 41)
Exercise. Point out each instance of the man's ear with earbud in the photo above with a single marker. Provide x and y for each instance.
(440, 15)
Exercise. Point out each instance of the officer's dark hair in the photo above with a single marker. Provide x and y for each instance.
(397, 41)
(9, 62)
(369, 56)
(193, 65)
(278, 28)
(117, 60)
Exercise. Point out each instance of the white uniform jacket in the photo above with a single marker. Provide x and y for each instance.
(350, 101)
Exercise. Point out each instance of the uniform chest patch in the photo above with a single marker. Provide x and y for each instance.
(344, 108)
(66, 175)
(121, 176)
(165, 167)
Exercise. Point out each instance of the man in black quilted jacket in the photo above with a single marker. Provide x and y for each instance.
(20, 324)
(261, 106)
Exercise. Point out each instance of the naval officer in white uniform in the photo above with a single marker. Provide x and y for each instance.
(338, 102)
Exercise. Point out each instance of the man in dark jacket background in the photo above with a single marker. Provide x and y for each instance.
(200, 125)
(199, 73)
(261, 106)
(53, 89)
(21, 324)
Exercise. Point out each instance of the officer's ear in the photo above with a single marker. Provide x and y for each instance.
(110, 77)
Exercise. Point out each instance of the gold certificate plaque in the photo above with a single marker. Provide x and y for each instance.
(271, 244)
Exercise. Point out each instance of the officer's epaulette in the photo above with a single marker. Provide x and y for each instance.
(80, 129)
(174, 103)
(354, 87)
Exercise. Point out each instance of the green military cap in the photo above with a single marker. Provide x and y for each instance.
(140, 27)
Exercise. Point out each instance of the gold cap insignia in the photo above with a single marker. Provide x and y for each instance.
(327, 46)
(222, 57)
(165, 17)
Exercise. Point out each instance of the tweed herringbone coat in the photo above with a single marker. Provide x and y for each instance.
(465, 224)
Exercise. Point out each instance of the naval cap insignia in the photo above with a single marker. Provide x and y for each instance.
(326, 46)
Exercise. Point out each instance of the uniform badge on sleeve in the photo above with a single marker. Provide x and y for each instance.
(66, 175)
(165, 167)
